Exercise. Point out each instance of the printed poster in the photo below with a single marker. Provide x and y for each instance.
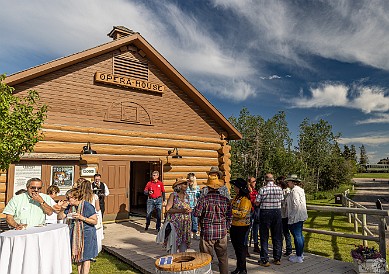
(62, 176)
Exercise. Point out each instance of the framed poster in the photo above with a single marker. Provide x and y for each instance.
(62, 176)
(25, 172)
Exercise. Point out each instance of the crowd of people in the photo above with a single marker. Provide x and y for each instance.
(277, 208)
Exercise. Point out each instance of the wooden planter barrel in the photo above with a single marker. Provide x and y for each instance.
(187, 262)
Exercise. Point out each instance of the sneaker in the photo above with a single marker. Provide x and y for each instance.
(264, 263)
(286, 254)
(277, 262)
(296, 259)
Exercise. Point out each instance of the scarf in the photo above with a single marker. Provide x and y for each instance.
(78, 236)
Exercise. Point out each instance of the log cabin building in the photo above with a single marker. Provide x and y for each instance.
(119, 109)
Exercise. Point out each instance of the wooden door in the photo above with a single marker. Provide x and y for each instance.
(116, 174)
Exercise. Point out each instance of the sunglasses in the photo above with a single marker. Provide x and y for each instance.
(35, 187)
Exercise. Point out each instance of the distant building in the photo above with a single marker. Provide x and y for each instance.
(384, 161)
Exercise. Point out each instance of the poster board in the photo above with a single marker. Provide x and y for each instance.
(24, 172)
(63, 177)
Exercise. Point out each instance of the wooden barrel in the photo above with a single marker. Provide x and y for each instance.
(185, 262)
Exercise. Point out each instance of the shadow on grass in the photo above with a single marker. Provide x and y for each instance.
(334, 242)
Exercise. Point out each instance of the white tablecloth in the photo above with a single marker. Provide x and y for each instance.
(40, 250)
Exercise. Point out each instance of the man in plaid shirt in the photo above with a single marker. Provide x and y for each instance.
(215, 215)
(269, 200)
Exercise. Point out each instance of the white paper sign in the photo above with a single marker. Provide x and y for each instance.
(88, 171)
(24, 172)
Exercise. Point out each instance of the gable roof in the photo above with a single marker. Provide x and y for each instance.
(151, 53)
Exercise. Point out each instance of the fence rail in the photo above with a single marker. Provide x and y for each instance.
(382, 214)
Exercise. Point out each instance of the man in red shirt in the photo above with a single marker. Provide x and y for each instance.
(156, 193)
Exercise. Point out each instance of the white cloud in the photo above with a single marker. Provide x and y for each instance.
(367, 99)
(324, 96)
(237, 90)
(372, 140)
(379, 118)
(272, 77)
(349, 31)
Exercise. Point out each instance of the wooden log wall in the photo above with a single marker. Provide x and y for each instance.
(199, 153)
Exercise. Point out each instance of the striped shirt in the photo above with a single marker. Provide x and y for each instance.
(270, 196)
(215, 214)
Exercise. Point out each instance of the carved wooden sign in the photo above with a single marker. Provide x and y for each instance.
(113, 79)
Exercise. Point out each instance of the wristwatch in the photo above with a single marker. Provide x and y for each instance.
(43, 203)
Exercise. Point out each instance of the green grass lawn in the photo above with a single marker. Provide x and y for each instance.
(334, 247)
(108, 264)
(372, 175)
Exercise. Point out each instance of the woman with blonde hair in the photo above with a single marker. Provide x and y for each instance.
(85, 187)
(82, 219)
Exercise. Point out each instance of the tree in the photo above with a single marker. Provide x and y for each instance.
(315, 145)
(363, 159)
(264, 147)
(20, 121)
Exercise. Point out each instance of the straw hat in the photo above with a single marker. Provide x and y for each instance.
(216, 170)
(293, 178)
(180, 181)
(214, 182)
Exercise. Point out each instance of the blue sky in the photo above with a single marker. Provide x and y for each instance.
(317, 59)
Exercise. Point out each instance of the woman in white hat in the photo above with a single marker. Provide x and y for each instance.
(297, 215)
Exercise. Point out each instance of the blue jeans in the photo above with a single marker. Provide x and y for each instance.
(254, 228)
(270, 219)
(297, 231)
(287, 237)
(195, 224)
(151, 205)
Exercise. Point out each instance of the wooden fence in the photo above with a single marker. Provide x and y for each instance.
(381, 214)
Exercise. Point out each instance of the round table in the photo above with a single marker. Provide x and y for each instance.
(40, 250)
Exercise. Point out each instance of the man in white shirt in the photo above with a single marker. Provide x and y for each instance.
(29, 209)
(101, 190)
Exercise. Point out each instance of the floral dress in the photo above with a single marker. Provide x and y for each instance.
(181, 222)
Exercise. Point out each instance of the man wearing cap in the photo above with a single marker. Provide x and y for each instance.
(222, 190)
(214, 213)
(269, 200)
(155, 191)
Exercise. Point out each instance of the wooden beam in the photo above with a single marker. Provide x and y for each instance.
(134, 134)
(75, 137)
(194, 169)
(61, 147)
(3, 179)
(3, 187)
(190, 162)
(224, 158)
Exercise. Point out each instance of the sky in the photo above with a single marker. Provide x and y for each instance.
(311, 59)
